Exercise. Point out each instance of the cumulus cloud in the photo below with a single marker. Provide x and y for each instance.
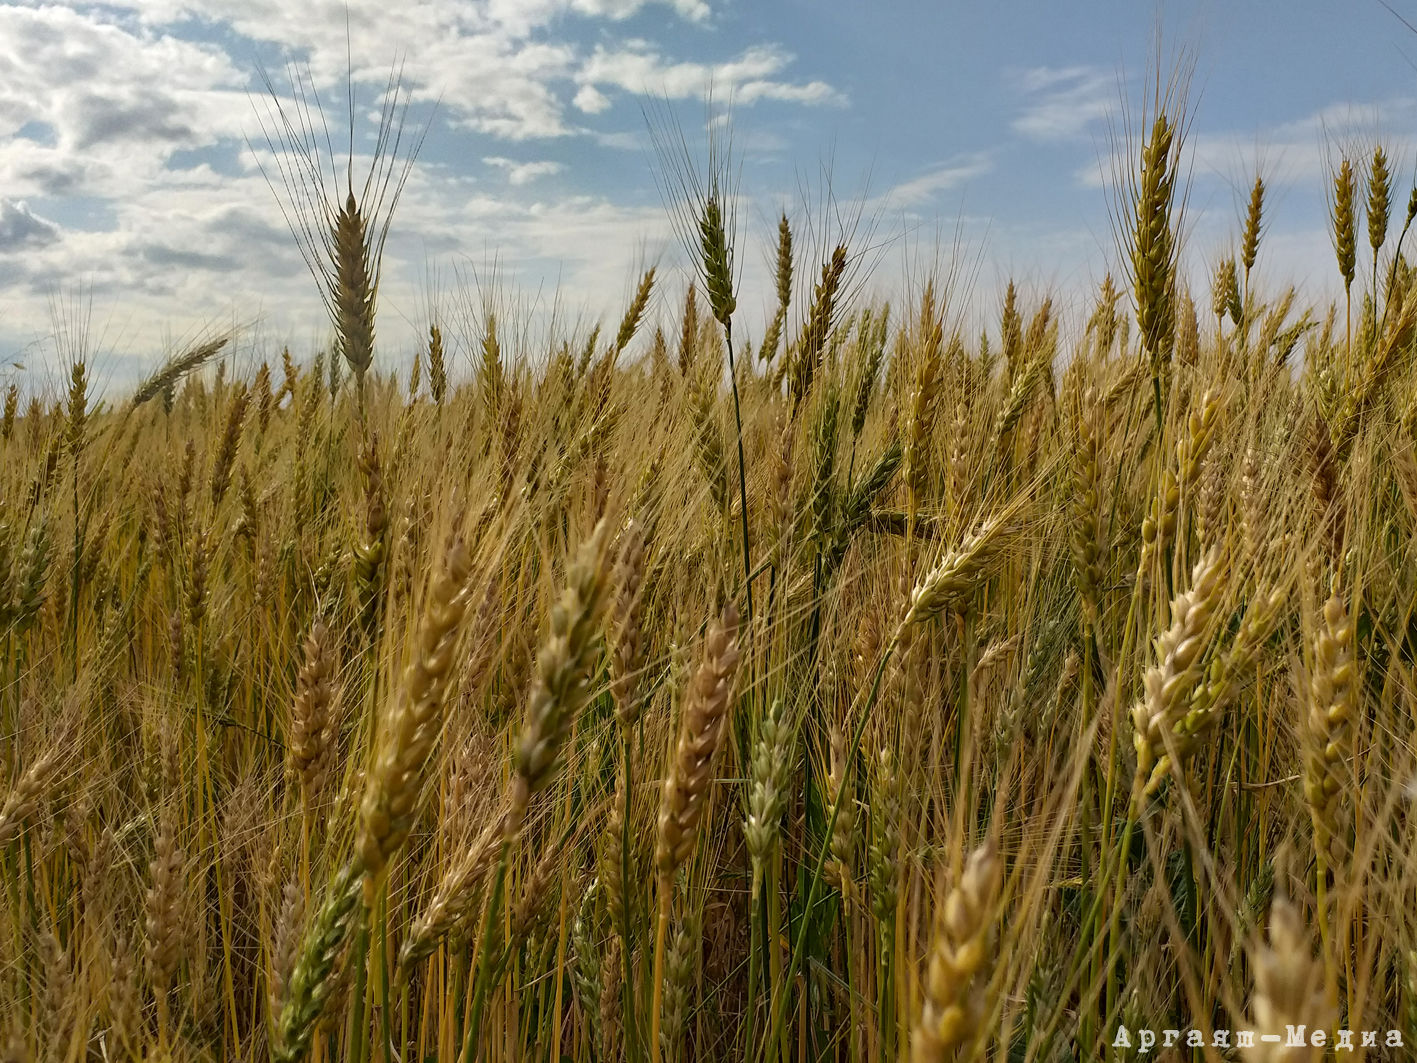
(98, 83)
(127, 121)
(508, 68)
(590, 100)
(22, 229)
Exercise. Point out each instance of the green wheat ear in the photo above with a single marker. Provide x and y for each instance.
(718, 262)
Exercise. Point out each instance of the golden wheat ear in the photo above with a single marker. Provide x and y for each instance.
(396, 784)
(952, 1009)
(1289, 989)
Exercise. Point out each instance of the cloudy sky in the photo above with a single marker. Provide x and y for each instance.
(132, 199)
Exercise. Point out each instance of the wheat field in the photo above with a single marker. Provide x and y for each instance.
(870, 692)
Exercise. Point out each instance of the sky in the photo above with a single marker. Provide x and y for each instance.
(141, 204)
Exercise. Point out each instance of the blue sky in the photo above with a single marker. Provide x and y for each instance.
(974, 136)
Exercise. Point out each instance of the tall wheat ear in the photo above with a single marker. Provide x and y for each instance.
(340, 231)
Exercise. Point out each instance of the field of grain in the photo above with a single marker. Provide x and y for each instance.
(868, 692)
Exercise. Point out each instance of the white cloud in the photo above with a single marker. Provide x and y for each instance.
(132, 178)
(502, 67)
(1300, 153)
(1306, 149)
(926, 187)
(694, 10)
(1064, 102)
(590, 100)
(522, 173)
(105, 90)
(637, 67)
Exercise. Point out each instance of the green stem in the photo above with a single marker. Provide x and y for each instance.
(885, 991)
(1325, 930)
(853, 1026)
(666, 884)
(627, 987)
(358, 1024)
(1156, 394)
(772, 899)
(384, 1015)
(479, 1000)
(757, 909)
(779, 1008)
(742, 475)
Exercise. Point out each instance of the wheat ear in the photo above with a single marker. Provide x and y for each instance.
(313, 979)
(686, 790)
(563, 675)
(951, 1012)
(1333, 694)
(1289, 990)
(395, 785)
(311, 727)
(700, 732)
(1178, 669)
